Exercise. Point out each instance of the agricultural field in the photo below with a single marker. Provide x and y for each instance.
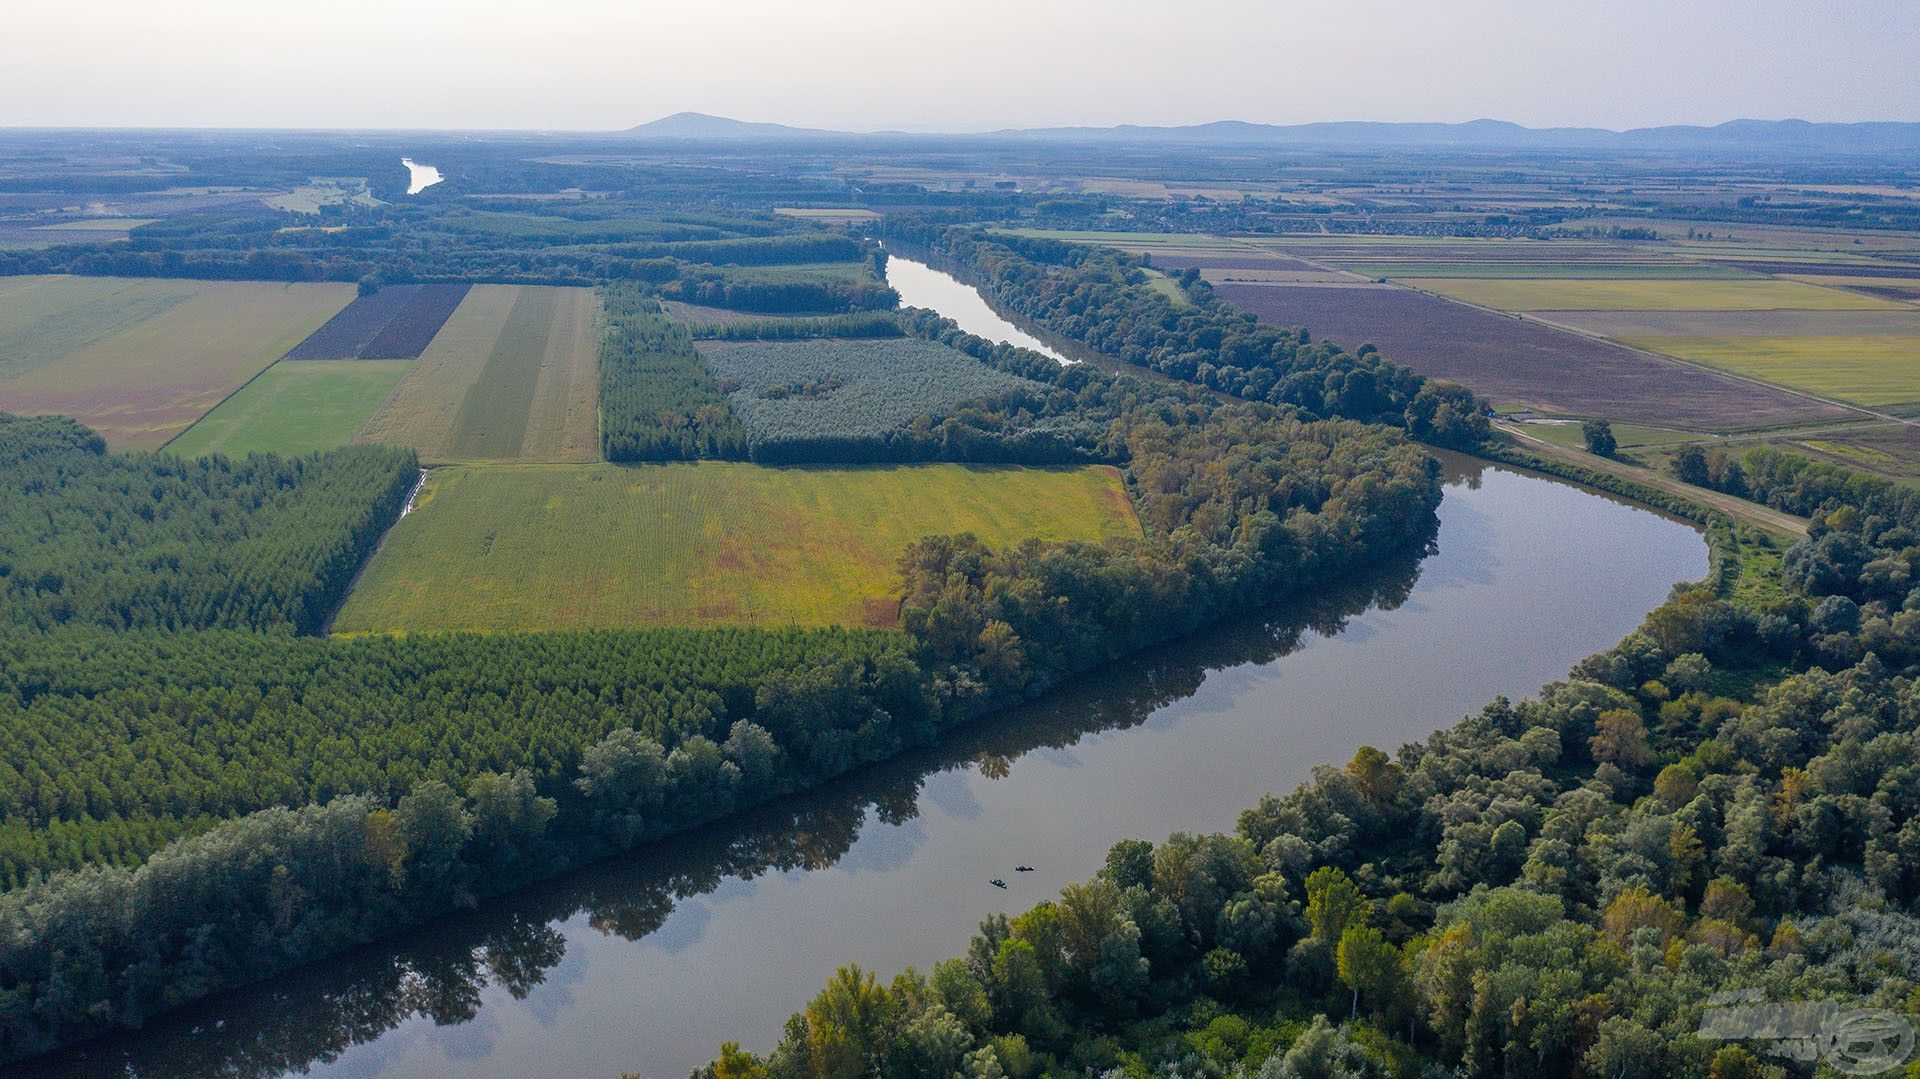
(510, 375)
(1887, 287)
(1567, 433)
(694, 314)
(1629, 324)
(520, 546)
(781, 273)
(98, 224)
(826, 388)
(295, 406)
(309, 198)
(1653, 295)
(1890, 449)
(140, 360)
(1168, 287)
(1522, 362)
(395, 323)
(826, 214)
(1862, 369)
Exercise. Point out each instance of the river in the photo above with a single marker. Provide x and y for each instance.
(920, 285)
(647, 963)
(420, 177)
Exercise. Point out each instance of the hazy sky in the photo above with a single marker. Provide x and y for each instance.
(958, 65)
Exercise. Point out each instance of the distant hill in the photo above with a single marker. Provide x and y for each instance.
(699, 125)
(1742, 136)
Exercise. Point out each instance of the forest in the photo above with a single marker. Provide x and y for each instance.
(142, 541)
(198, 791)
(225, 803)
(1728, 800)
(658, 400)
(1094, 296)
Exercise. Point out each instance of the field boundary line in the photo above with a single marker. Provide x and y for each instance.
(181, 433)
(1749, 379)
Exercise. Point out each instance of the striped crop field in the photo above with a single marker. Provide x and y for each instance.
(511, 375)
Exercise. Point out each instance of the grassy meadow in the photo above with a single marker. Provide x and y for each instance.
(1864, 370)
(523, 546)
(1651, 295)
(295, 406)
(142, 360)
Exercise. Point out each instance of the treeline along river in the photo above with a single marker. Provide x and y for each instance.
(652, 959)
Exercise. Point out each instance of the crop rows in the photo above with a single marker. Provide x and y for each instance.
(395, 323)
(785, 390)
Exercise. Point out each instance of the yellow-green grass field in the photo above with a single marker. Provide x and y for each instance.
(98, 224)
(826, 213)
(526, 547)
(139, 360)
(1168, 287)
(511, 375)
(295, 406)
(1656, 295)
(1626, 435)
(1865, 370)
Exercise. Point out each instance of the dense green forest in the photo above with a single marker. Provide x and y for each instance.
(473, 763)
(1096, 296)
(1728, 800)
(658, 400)
(146, 540)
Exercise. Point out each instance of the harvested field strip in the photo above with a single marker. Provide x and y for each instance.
(1762, 295)
(414, 326)
(348, 332)
(423, 409)
(564, 422)
(1588, 271)
(294, 407)
(1514, 361)
(493, 418)
(144, 385)
(519, 547)
(510, 375)
(395, 323)
(1865, 370)
(1623, 324)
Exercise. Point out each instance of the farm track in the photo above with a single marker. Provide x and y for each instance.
(1738, 508)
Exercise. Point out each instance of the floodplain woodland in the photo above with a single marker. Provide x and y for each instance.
(368, 551)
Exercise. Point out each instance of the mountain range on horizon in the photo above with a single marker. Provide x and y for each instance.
(1871, 137)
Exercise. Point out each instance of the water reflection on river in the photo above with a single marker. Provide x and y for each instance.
(647, 963)
(920, 285)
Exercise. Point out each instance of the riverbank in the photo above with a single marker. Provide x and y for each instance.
(647, 960)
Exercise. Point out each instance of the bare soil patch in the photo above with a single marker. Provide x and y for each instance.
(1521, 362)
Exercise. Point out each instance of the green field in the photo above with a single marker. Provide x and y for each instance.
(1168, 287)
(98, 224)
(1864, 370)
(1130, 239)
(142, 360)
(1680, 295)
(1594, 270)
(1627, 435)
(295, 406)
(521, 546)
(511, 375)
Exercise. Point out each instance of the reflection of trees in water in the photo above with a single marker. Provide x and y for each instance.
(440, 972)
